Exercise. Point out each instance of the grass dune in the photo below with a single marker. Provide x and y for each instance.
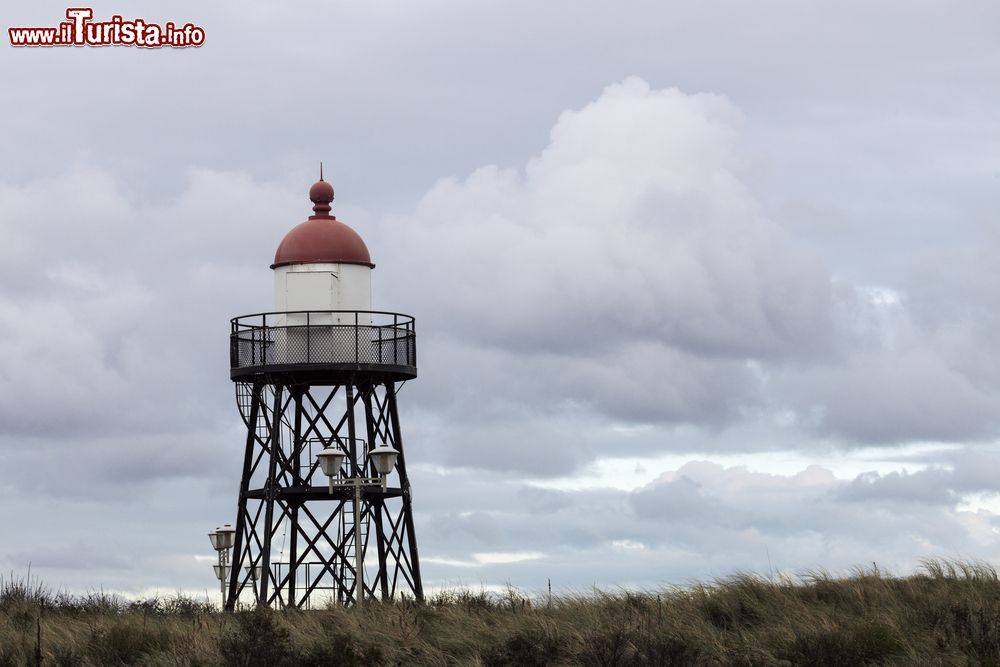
(947, 614)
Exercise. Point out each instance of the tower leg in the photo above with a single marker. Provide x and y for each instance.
(236, 568)
(271, 489)
(296, 462)
(379, 506)
(404, 483)
(399, 565)
(357, 470)
(283, 491)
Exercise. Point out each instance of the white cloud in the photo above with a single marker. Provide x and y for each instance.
(626, 272)
(705, 519)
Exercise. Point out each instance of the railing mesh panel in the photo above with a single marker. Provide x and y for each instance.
(256, 342)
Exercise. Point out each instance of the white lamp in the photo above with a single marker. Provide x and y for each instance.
(330, 461)
(225, 536)
(214, 537)
(383, 458)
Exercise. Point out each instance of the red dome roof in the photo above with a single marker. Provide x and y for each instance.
(322, 238)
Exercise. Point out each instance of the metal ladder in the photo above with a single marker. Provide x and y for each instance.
(347, 577)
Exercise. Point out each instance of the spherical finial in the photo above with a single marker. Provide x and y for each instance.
(321, 194)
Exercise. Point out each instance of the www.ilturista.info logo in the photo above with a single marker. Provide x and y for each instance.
(79, 30)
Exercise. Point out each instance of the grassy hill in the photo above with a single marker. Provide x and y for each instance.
(948, 614)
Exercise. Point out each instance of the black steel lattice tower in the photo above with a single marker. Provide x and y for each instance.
(322, 371)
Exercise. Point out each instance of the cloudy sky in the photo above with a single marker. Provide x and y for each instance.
(700, 287)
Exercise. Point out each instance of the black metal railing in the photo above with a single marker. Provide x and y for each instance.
(327, 337)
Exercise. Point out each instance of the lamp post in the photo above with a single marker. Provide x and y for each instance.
(331, 460)
(222, 542)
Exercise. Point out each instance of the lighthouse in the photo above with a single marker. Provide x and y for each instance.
(324, 508)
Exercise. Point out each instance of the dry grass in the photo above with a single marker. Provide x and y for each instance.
(949, 614)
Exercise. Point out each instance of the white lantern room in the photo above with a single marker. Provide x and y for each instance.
(322, 265)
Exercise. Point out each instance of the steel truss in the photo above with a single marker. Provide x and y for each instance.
(295, 540)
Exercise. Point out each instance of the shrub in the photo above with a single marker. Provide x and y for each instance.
(259, 641)
(340, 650)
(126, 643)
(860, 644)
(534, 647)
